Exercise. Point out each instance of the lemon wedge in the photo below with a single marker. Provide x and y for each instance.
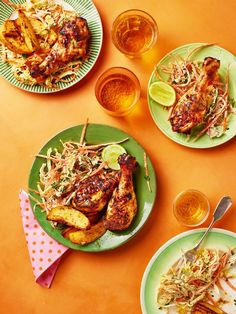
(110, 155)
(162, 93)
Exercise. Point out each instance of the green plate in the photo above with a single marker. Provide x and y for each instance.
(169, 253)
(95, 134)
(86, 9)
(160, 114)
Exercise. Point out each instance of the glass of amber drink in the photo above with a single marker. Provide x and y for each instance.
(117, 91)
(191, 208)
(134, 32)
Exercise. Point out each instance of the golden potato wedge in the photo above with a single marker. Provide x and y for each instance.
(83, 237)
(37, 25)
(52, 37)
(69, 216)
(18, 35)
(10, 37)
(27, 31)
(66, 231)
(42, 32)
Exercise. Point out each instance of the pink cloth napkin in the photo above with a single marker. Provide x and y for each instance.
(45, 253)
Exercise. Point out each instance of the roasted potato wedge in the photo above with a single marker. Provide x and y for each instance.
(10, 37)
(27, 31)
(18, 35)
(83, 237)
(42, 32)
(69, 216)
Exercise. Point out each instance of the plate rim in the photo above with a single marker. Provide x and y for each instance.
(187, 144)
(71, 84)
(154, 191)
(162, 249)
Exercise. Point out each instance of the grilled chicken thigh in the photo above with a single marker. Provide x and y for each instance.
(72, 44)
(94, 192)
(192, 106)
(122, 206)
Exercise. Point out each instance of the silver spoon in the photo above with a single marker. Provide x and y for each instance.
(221, 208)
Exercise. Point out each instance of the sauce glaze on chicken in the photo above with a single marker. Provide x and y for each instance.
(194, 104)
(72, 44)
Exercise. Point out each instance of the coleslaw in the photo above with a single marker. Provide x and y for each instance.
(186, 283)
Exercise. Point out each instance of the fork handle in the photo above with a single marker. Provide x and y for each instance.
(205, 233)
(221, 208)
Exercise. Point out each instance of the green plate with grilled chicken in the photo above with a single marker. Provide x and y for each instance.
(202, 115)
(143, 174)
(59, 46)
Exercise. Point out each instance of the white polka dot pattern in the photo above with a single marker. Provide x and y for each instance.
(45, 253)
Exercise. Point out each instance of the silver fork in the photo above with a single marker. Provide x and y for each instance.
(221, 208)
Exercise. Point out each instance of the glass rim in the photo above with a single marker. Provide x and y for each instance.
(145, 13)
(118, 68)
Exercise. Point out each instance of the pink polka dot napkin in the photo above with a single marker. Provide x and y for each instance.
(45, 253)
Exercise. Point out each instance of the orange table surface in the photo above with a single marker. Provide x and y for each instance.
(109, 282)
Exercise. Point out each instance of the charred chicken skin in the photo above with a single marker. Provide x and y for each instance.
(122, 206)
(72, 44)
(194, 104)
(94, 192)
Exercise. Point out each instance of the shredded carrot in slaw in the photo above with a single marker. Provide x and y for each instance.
(65, 168)
(186, 283)
(183, 74)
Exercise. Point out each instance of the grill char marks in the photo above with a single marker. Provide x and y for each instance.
(194, 104)
(72, 44)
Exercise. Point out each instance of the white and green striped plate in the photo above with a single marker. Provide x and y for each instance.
(87, 10)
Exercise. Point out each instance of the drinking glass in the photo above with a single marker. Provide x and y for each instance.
(191, 207)
(117, 91)
(134, 32)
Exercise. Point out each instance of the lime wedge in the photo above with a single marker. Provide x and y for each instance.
(111, 153)
(162, 93)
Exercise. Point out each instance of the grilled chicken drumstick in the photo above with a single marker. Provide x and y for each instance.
(194, 104)
(72, 44)
(122, 206)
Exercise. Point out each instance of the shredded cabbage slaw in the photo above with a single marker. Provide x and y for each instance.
(65, 168)
(187, 283)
